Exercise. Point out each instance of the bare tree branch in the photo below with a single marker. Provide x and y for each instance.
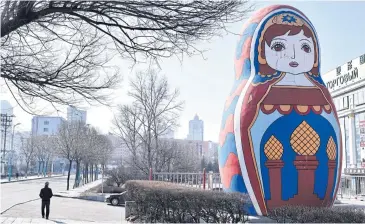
(142, 125)
(58, 51)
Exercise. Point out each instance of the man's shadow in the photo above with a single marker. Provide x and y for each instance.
(58, 222)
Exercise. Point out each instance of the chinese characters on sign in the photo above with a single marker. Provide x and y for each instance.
(347, 74)
(349, 65)
(343, 79)
(338, 69)
(362, 59)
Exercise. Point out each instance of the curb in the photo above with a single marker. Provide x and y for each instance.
(62, 196)
(22, 180)
(86, 198)
(18, 204)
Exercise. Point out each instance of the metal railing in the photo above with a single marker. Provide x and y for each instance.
(351, 187)
(209, 181)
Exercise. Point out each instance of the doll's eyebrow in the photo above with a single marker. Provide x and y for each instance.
(278, 38)
(305, 40)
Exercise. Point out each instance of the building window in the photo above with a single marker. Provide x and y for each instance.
(346, 144)
(345, 158)
(346, 102)
(45, 129)
(340, 103)
(46, 122)
(335, 101)
(359, 97)
(359, 136)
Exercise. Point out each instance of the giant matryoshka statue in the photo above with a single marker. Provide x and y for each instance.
(280, 139)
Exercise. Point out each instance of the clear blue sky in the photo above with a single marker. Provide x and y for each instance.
(205, 84)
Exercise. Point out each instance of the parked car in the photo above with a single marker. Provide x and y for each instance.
(361, 197)
(116, 199)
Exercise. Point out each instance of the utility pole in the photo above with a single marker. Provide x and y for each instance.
(10, 163)
(6, 121)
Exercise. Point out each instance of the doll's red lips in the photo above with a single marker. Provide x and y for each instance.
(293, 64)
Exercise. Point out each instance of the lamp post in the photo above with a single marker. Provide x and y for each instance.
(12, 152)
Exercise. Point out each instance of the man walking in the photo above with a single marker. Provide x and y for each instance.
(46, 195)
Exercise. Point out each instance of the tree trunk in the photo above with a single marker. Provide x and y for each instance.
(149, 159)
(87, 173)
(68, 175)
(83, 174)
(39, 168)
(96, 172)
(77, 179)
(45, 168)
(102, 179)
(26, 169)
(91, 172)
(89, 176)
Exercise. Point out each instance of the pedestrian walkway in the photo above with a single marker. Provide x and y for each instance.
(77, 192)
(6, 220)
(6, 180)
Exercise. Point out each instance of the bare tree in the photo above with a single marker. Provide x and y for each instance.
(44, 151)
(104, 149)
(91, 154)
(128, 123)
(50, 48)
(80, 148)
(178, 156)
(28, 151)
(67, 140)
(154, 111)
(119, 175)
(83, 145)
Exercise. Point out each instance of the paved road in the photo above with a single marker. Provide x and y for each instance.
(18, 192)
(63, 209)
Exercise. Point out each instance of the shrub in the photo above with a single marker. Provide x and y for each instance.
(109, 182)
(300, 214)
(119, 175)
(167, 202)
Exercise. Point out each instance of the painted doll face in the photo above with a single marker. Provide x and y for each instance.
(290, 53)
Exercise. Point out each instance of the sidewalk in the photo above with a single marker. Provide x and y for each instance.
(351, 202)
(5, 181)
(77, 192)
(5, 220)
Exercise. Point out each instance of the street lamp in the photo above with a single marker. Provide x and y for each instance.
(12, 152)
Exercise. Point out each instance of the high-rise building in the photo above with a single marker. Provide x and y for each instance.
(196, 129)
(74, 114)
(6, 107)
(44, 125)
